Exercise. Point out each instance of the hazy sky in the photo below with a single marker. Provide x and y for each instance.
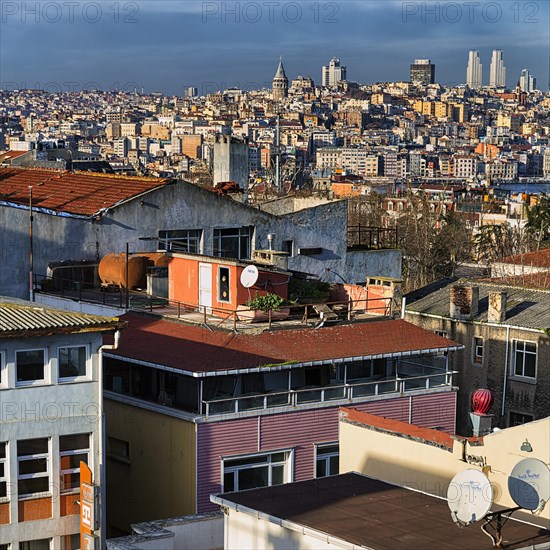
(167, 45)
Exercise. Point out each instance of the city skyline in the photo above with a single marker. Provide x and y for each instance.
(197, 45)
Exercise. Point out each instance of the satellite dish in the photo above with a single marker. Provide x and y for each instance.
(249, 276)
(529, 484)
(469, 496)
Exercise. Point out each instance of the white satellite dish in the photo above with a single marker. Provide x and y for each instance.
(249, 276)
(529, 484)
(469, 496)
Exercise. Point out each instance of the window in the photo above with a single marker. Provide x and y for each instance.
(442, 333)
(30, 366)
(327, 460)
(33, 466)
(41, 544)
(249, 472)
(478, 350)
(72, 362)
(180, 240)
(288, 247)
(3, 471)
(223, 284)
(525, 358)
(72, 450)
(118, 449)
(70, 542)
(233, 242)
(516, 419)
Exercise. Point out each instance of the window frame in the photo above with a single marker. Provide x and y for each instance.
(288, 472)
(325, 457)
(3, 370)
(477, 359)
(85, 376)
(192, 236)
(37, 382)
(63, 472)
(4, 478)
(36, 475)
(241, 232)
(226, 300)
(525, 353)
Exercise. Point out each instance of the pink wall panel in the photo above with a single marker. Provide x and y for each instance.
(301, 430)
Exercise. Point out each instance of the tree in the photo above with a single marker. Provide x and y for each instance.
(538, 222)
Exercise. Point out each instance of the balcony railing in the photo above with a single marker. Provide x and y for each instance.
(365, 237)
(328, 394)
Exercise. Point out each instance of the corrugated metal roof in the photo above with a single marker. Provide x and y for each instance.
(80, 193)
(528, 308)
(19, 318)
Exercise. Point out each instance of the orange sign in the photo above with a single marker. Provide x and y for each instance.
(87, 508)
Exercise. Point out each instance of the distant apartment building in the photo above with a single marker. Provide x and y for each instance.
(465, 166)
(422, 72)
(546, 163)
(502, 169)
(50, 387)
(527, 82)
(121, 147)
(333, 73)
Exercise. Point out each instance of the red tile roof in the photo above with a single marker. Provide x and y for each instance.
(538, 258)
(540, 279)
(396, 427)
(196, 349)
(83, 193)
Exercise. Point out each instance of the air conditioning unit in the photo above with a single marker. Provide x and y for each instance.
(273, 258)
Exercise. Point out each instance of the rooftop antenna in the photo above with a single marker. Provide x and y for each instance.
(470, 496)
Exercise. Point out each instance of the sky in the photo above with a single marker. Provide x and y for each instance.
(168, 45)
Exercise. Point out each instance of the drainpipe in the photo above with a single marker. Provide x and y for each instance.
(505, 372)
(102, 439)
(403, 306)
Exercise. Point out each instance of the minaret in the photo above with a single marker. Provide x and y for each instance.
(280, 82)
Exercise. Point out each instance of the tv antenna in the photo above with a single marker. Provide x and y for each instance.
(249, 276)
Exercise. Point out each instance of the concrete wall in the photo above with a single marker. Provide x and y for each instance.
(47, 411)
(183, 206)
(247, 532)
(159, 478)
(403, 461)
(523, 396)
(204, 532)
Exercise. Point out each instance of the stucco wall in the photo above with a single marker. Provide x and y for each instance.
(403, 461)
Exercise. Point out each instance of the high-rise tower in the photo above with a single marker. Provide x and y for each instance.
(422, 72)
(527, 82)
(474, 70)
(279, 86)
(333, 73)
(497, 75)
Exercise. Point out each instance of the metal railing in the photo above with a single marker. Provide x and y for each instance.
(326, 394)
(372, 238)
(214, 317)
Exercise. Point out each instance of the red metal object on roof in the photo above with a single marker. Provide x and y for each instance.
(80, 193)
(481, 401)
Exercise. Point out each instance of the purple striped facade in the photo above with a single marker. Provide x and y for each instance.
(301, 431)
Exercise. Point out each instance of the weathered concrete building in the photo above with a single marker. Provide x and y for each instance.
(505, 331)
(83, 216)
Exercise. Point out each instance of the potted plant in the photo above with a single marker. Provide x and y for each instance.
(259, 308)
(308, 291)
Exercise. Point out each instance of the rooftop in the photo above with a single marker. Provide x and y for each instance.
(77, 193)
(20, 319)
(525, 307)
(198, 350)
(538, 258)
(371, 514)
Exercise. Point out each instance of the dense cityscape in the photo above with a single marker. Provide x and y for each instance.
(308, 314)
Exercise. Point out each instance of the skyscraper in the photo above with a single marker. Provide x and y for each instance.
(279, 85)
(527, 82)
(422, 72)
(497, 77)
(474, 71)
(334, 73)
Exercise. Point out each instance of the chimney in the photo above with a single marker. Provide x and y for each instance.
(497, 307)
(464, 302)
